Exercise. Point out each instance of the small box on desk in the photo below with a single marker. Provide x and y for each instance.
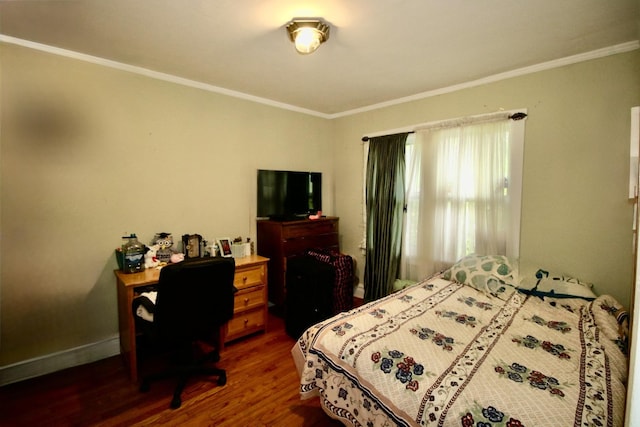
(240, 250)
(120, 258)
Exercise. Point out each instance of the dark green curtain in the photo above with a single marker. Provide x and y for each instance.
(385, 204)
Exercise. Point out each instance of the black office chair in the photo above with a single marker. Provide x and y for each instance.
(194, 299)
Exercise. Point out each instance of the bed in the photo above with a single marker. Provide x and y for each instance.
(467, 347)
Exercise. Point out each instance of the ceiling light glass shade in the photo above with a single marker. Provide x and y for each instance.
(307, 35)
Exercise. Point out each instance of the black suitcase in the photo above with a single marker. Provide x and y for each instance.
(309, 294)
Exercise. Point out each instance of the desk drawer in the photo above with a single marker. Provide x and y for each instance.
(248, 299)
(248, 276)
(245, 323)
(309, 228)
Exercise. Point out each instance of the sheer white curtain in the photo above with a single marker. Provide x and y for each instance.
(459, 199)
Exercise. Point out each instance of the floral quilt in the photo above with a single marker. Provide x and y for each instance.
(443, 353)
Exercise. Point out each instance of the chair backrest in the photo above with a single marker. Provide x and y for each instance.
(194, 298)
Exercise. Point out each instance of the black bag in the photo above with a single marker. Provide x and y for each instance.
(309, 294)
(344, 277)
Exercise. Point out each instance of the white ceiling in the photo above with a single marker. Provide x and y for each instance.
(378, 51)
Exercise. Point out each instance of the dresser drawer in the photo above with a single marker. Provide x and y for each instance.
(309, 228)
(245, 323)
(298, 245)
(279, 240)
(249, 298)
(249, 276)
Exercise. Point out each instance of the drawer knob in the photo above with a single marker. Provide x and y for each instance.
(244, 279)
(246, 301)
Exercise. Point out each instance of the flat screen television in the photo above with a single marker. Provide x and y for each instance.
(287, 195)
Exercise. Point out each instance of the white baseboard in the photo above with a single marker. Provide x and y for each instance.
(358, 291)
(61, 360)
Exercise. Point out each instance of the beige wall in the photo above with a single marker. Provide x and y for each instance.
(88, 153)
(576, 216)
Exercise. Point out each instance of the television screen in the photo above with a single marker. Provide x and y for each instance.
(288, 194)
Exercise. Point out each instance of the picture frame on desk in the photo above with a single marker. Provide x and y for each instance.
(224, 245)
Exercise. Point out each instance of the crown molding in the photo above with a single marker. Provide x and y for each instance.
(574, 59)
(155, 74)
(587, 56)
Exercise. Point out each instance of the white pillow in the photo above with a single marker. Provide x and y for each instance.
(559, 286)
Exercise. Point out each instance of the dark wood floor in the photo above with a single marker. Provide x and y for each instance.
(261, 390)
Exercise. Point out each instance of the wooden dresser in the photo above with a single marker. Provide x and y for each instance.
(279, 240)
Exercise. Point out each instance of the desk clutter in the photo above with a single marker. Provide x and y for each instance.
(144, 305)
(133, 256)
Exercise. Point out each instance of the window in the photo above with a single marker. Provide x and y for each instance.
(463, 192)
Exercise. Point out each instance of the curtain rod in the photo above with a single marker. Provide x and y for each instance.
(366, 138)
(515, 116)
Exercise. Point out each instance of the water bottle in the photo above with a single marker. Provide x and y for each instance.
(133, 255)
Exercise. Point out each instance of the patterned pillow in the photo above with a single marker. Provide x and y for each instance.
(491, 274)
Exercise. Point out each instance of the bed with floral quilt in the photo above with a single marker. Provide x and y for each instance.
(468, 348)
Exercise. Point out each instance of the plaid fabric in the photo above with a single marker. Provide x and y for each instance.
(343, 286)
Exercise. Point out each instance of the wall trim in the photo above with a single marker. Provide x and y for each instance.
(358, 291)
(155, 74)
(556, 63)
(53, 362)
(595, 54)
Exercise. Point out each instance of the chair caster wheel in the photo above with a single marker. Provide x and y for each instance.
(175, 403)
(222, 379)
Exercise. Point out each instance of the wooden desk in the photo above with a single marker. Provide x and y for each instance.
(250, 304)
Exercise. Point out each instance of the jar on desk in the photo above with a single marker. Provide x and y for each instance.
(133, 255)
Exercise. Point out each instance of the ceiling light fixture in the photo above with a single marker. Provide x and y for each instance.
(307, 34)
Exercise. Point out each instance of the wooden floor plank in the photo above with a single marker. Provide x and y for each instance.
(261, 390)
